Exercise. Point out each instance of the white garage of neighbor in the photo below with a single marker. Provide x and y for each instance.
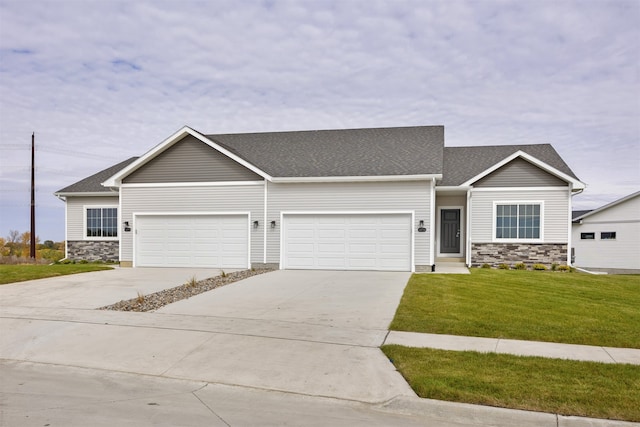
(192, 240)
(347, 241)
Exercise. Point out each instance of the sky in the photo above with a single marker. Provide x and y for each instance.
(101, 81)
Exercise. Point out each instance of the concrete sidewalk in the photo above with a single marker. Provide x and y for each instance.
(516, 347)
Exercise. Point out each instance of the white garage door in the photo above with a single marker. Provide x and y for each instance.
(347, 242)
(219, 241)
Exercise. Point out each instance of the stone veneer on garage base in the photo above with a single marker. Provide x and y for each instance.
(495, 254)
(93, 250)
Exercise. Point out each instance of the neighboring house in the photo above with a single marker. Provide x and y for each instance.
(357, 199)
(608, 238)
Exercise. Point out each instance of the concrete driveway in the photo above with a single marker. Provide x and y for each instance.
(306, 332)
(97, 289)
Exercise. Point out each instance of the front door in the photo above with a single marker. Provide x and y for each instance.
(450, 231)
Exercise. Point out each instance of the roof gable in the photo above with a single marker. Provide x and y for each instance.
(519, 173)
(465, 165)
(116, 179)
(190, 160)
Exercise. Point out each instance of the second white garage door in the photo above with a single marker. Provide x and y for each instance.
(347, 242)
(217, 241)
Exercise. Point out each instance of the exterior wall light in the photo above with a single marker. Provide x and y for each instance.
(273, 224)
(255, 224)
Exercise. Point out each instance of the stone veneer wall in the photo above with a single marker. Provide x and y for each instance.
(495, 254)
(93, 250)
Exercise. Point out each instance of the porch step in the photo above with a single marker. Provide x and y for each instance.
(449, 260)
(450, 264)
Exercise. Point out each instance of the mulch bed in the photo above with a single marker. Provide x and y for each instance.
(159, 299)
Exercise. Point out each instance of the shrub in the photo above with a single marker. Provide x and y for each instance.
(539, 267)
(485, 265)
(192, 282)
(520, 266)
(223, 274)
(140, 298)
(503, 266)
(83, 261)
(564, 268)
(554, 266)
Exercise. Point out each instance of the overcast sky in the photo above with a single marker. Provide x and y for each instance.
(100, 81)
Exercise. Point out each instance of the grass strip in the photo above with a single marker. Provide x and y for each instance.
(529, 305)
(22, 272)
(565, 387)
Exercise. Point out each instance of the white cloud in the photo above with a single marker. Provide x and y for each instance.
(111, 79)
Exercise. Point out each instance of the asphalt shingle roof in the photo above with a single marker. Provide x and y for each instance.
(351, 152)
(463, 163)
(415, 150)
(92, 184)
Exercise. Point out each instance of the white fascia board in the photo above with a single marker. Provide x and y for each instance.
(575, 184)
(89, 193)
(356, 178)
(116, 180)
(607, 206)
(452, 189)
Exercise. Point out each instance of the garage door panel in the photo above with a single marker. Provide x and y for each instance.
(217, 241)
(347, 242)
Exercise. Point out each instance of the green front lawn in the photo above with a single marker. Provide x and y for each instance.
(564, 387)
(530, 305)
(20, 273)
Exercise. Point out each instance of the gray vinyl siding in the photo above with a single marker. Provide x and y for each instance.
(519, 173)
(75, 213)
(340, 197)
(191, 160)
(556, 212)
(215, 199)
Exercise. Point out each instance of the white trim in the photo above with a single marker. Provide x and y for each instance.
(453, 188)
(439, 237)
(264, 228)
(89, 193)
(135, 215)
(193, 184)
(66, 229)
(120, 229)
(494, 239)
(432, 223)
(356, 178)
(116, 180)
(468, 235)
(495, 189)
(357, 212)
(100, 238)
(569, 226)
(575, 183)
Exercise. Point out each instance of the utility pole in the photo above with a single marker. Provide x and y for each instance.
(32, 249)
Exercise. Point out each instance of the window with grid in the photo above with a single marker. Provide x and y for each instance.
(102, 222)
(518, 221)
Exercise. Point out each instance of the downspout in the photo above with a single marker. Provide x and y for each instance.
(432, 226)
(66, 231)
(264, 245)
(468, 236)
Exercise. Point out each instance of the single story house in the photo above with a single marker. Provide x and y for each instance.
(608, 238)
(359, 199)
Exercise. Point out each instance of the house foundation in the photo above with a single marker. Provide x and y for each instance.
(495, 254)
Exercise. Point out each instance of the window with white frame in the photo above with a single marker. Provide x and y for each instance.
(518, 221)
(102, 222)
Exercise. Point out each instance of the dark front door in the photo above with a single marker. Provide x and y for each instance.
(450, 231)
